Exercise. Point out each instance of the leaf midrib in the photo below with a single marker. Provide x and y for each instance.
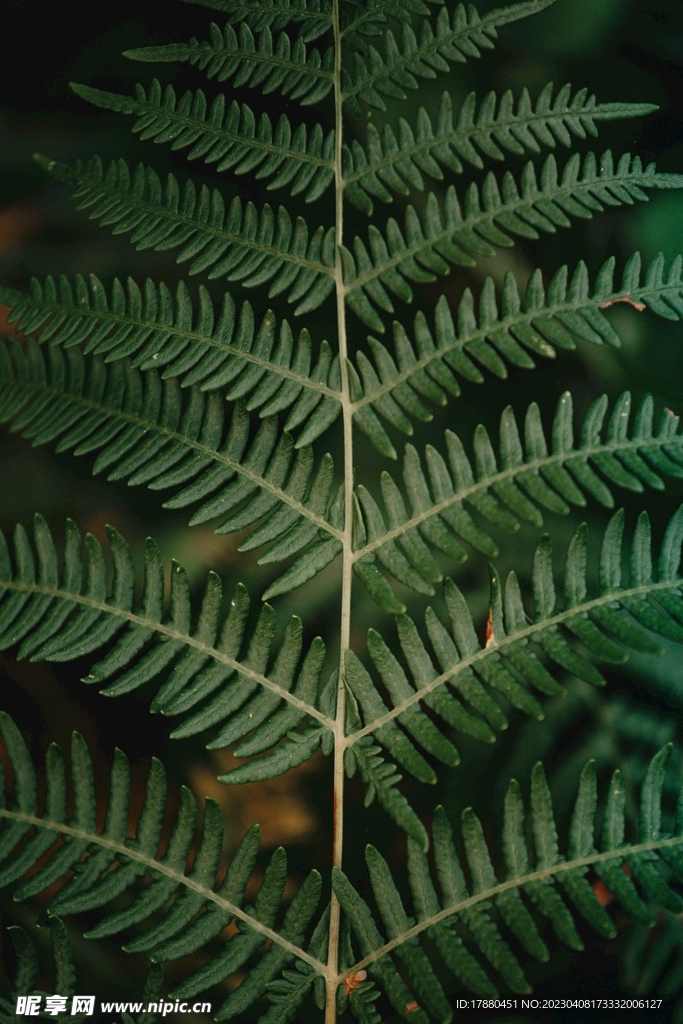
(561, 458)
(495, 646)
(640, 178)
(514, 883)
(193, 444)
(159, 868)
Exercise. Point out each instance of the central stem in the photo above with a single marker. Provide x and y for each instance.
(347, 540)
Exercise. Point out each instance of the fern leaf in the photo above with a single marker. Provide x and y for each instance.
(381, 777)
(535, 878)
(157, 330)
(369, 19)
(395, 163)
(269, 63)
(313, 16)
(145, 433)
(429, 244)
(623, 450)
(237, 243)
(398, 386)
(218, 673)
(452, 39)
(289, 991)
(109, 864)
(382, 969)
(300, 159)
(518, 648)
(28, 970)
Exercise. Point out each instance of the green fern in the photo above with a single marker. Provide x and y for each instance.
(114, 863)
(391, 162)
(450, 234)
(428, 368)
(515, 648)
(313, 17)
(296, 159)
(452, 39)
(239, 243)
(264, 62)
(28, 971)
(554, 477)
(158, 330)
(158, 387)
(61, 615)
(145, 433)
(548, 883)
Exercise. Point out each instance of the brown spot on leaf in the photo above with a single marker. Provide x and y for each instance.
(640, 306)
(354, 980)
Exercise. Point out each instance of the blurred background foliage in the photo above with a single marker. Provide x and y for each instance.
(618, 49)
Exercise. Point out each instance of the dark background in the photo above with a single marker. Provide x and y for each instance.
(619, 49)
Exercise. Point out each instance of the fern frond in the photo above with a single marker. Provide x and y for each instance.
(194, 907)
(288, 992)
(459, 916)
(145, 433)
(450, 235)
(239, 244)
(313, 16)
(517, 647)
(396, 383)
(263, 61)
(393, 162)
(369, 18)
(209, 665)
(28, 971)
(300, 159)
(452, 39)
(380, 776)
(526, 479)
(158, 330)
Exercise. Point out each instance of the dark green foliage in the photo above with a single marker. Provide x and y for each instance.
(525, 479)
(654, 961)
(270, 63)
(28, 971)
(459, 916)
(396, 162)
(434, 47)
(194, 907)
(449, 233)
(250, 360)
(231, 139)
(396, 384)
(237, 243)
(517, 648)
(312, 16)
(159, 387)
(146, 433)
(220, 673)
